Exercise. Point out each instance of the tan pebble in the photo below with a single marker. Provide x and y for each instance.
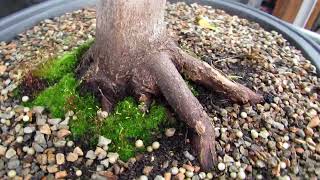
(72, 157)
(45, 129)
(188, 167)
(167, 176)
(299, 150)
(78, 151)
(179, 176)
(147, 170)
(52, 168)
(60, 158)
(314, 122)
(61, 174)
(63, 133)
(196, 169)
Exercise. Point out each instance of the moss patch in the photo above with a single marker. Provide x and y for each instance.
(54, 69)
(127, 124)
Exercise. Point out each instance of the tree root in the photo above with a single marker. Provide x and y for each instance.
(202, 73)
(159, 73)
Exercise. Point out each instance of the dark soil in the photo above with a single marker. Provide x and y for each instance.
(170, 152)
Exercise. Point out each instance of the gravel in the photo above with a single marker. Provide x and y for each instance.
(277, 138)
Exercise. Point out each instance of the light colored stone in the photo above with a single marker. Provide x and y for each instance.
(174, 170)
(143, 177)
(103, 141)
(25, 98)
(78, 173)
(254, 134)
(45, 129)
(155, 145)
(149, 149)
(91, 155)
(3, 150)
(314, 122)
(62, 133)
(10, 153)
(113, 157)
(105, 163)
(72, 157)
(221, 166)
(170, 132)
(139, 143)
(55, 121)
(12, 173)
(60, 159)
(100, 153)
(189, 174)
(52, 168)
(78, 151)
(61, 174)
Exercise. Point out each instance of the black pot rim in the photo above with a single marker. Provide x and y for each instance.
(20, 21)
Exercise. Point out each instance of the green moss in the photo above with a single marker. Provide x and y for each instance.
(127, 124)
(55, 69)
(124, 126)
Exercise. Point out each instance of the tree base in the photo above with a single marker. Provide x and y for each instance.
(157, 72)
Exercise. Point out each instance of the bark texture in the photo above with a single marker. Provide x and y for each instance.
(133, 55)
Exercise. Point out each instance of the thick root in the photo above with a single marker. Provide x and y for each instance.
(188, 108)
(202, 73)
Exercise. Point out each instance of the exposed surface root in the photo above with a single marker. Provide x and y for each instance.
(157, 73)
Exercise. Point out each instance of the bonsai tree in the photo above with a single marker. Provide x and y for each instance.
(133, 55)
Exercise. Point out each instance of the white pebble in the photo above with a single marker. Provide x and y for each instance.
(26, 118)
(202, 175)
(209, 175)
(25, 148)
(143, 177)
(254, 134)
(189, 174)
(221, 166)
(26, 109)
(139, 143)
(155, 145)
(8, 122)
(241, 175)
(25, 98)
(243, 115)
(170, 132)
(19, 139)
(79, 173)
(3, 121)
(239, 134)
(259, 176)
(182, 170)
(12, 174)
(286, 138)
(31, 151)
(70, 143)
(285, 145)
(283, 165)
(149, 149)
(174, 170)
(237, 163)
(233, 175)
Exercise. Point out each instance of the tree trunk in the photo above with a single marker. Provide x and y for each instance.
(132, 55)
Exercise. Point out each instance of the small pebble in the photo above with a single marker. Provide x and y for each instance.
(19, 139)
(189, 174)
(25, 98)
(209, 175)
(243, 115)
(174, 170)
(139, 143)
(149, 149)
(12, 173)
(221, 166)
(143, 177)
(241, 175)
(182, 170)
(79, 173)
(239, 134)
(233, 175)
(170, 132)
(155, 145)
(283, 165)
(254, 134)
(26, 118)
